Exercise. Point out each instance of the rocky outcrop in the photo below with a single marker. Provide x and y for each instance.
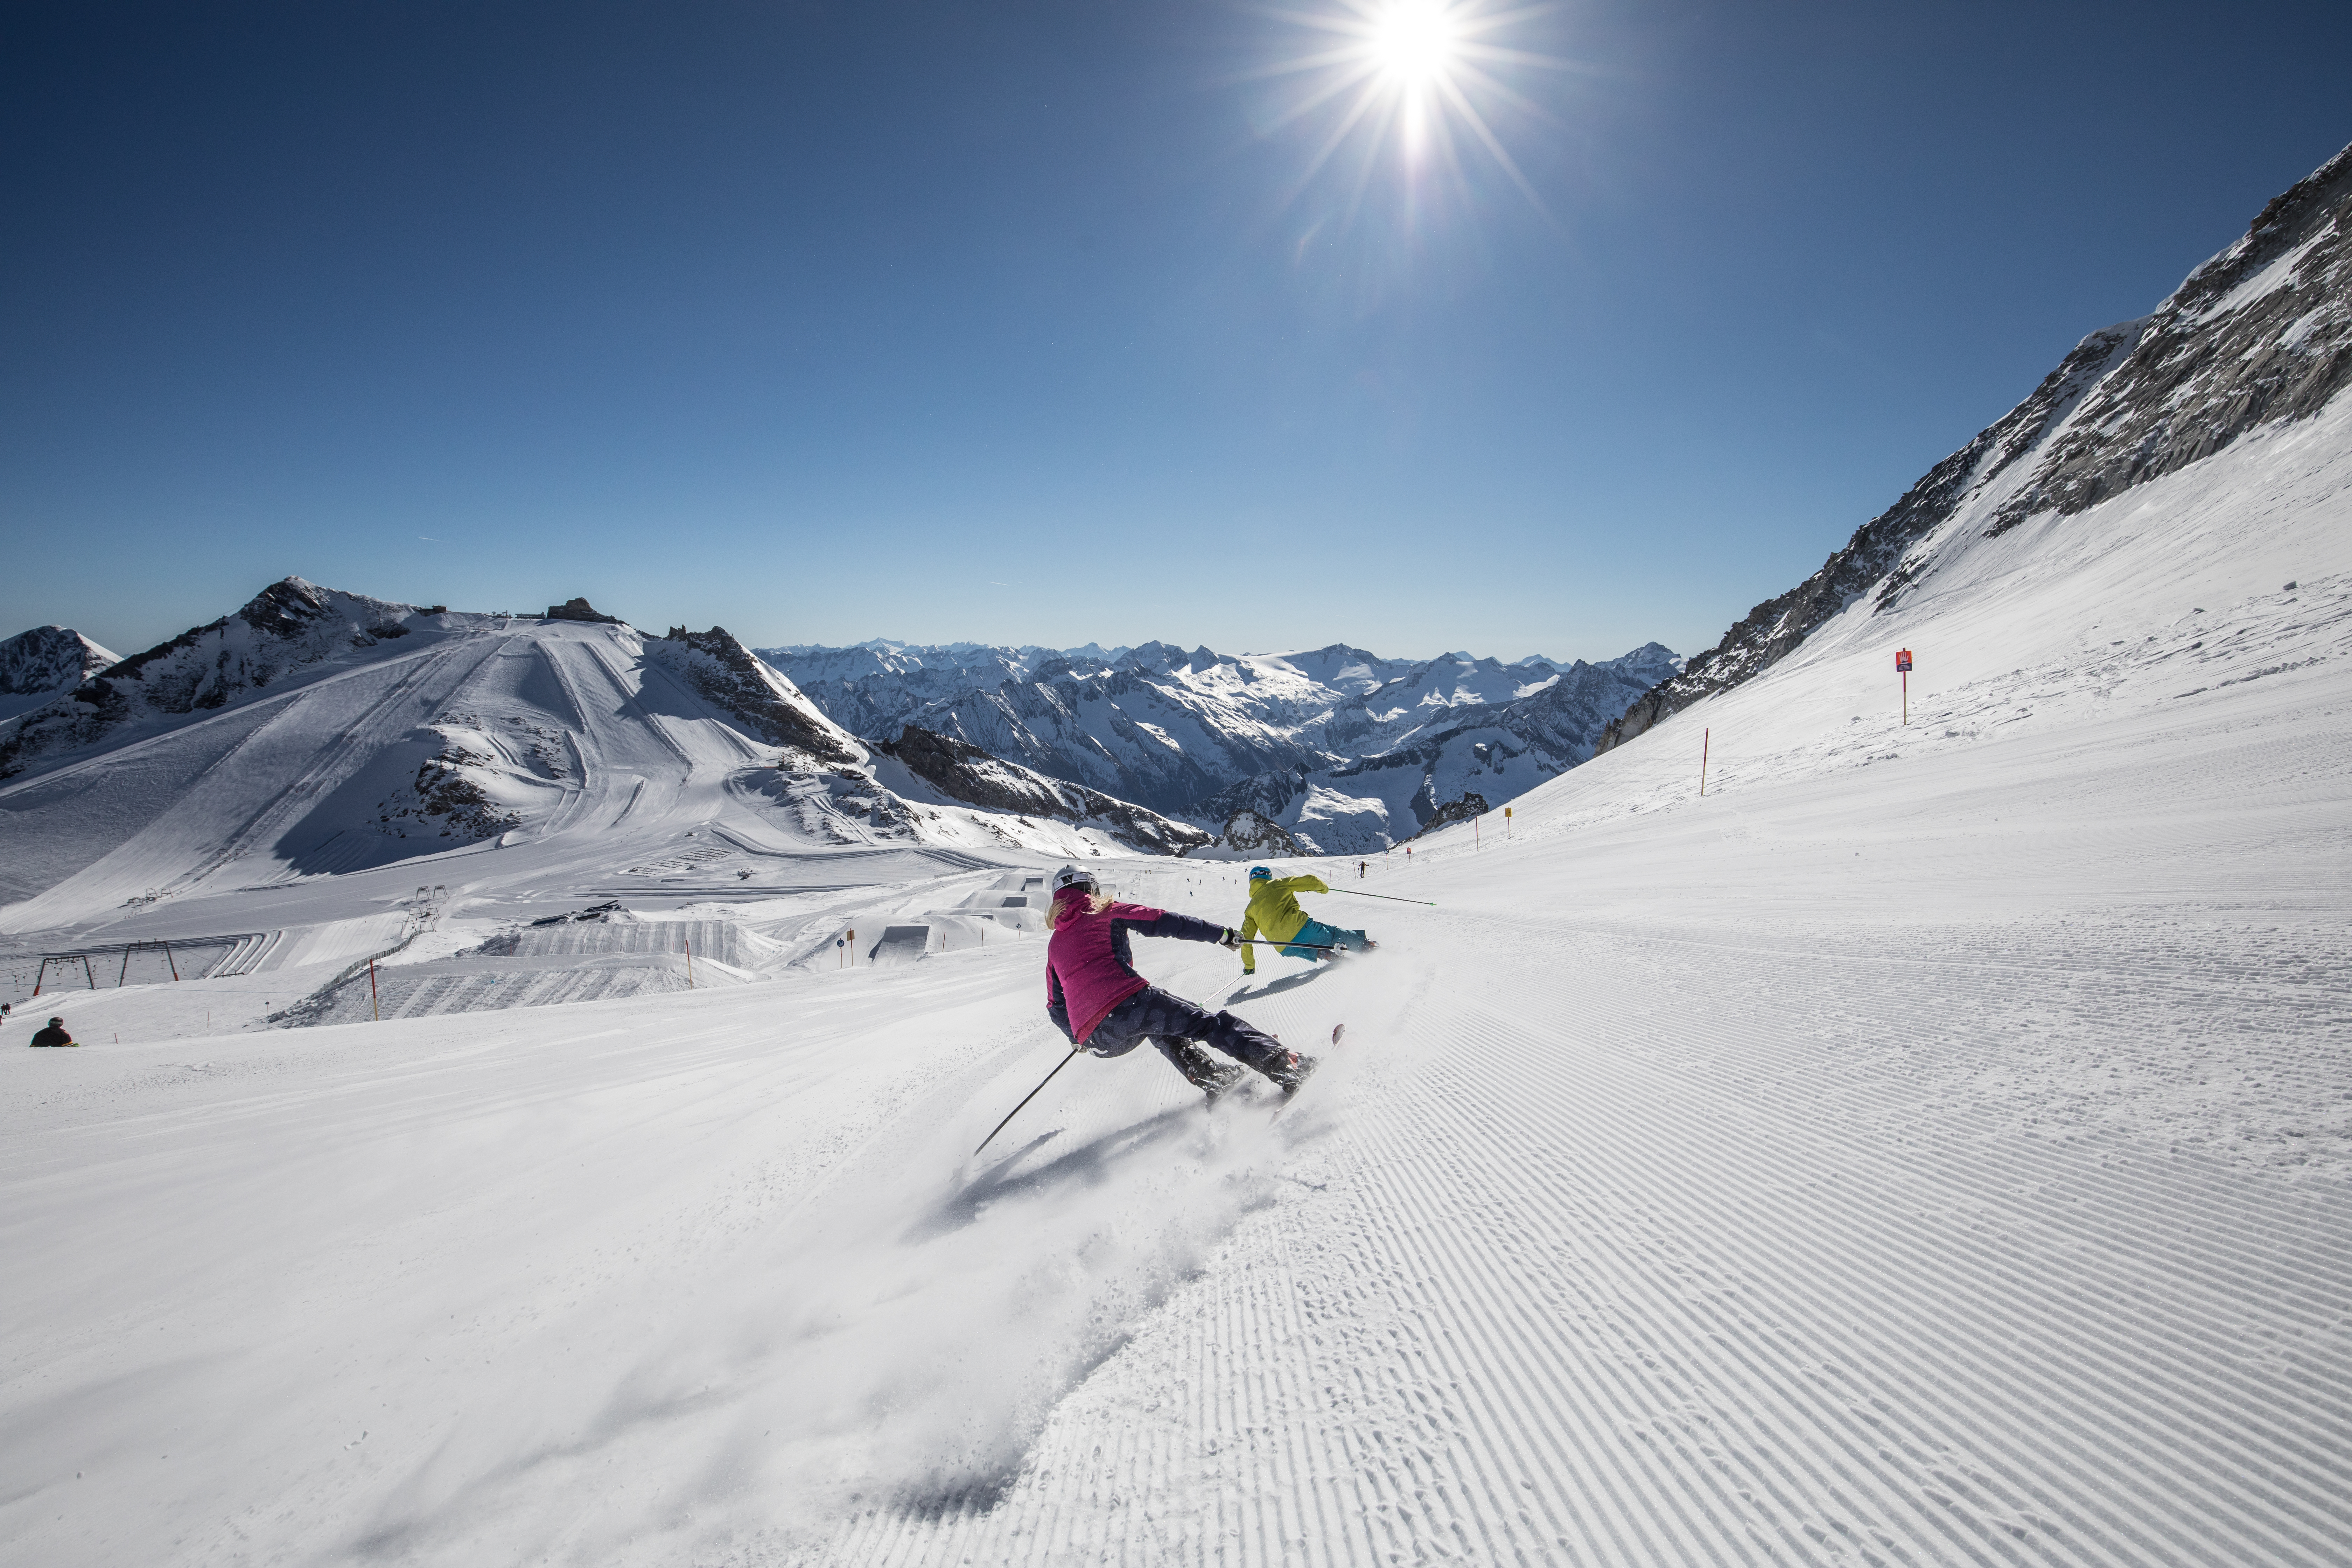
(448, 799)
(964, 772)
(1471, 804)
(720, 670)
(1250, 834)
(49, 659)
(580, 610)
(2260, 334)
(1266, 795)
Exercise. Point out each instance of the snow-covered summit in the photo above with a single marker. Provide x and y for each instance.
(38, 665)
(286, 627)
(2259, 335)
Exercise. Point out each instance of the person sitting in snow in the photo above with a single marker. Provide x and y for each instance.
(1096, 999)
(1273, 910)
(55, 1034)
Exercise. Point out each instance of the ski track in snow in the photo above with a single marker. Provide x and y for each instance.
(1551, 1289)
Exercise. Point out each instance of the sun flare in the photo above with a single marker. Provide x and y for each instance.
(1421, 79)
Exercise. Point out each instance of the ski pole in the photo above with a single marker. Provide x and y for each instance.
(1389, 897)
(1026, 1099)
(1304, 946)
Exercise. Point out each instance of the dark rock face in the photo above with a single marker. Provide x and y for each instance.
(962, 772)
(447, 800)
(723, 672)
(578, 610)
(48, 659)
(1463, 810)
(1248, 833)
(1264, 796)
(2260, 334)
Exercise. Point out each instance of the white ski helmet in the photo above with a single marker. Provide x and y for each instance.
(1073, 876)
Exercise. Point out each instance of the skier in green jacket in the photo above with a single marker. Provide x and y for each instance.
(1273, 910)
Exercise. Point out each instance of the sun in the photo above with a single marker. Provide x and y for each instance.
(1413, 41)
(1414, 79)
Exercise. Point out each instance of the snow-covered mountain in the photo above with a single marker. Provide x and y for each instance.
(2259, 335)
(316, 732)
(1347, 749)
(36, 666)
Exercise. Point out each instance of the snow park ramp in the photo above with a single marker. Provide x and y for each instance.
(900, 944)
(725, 941)
(499, 984)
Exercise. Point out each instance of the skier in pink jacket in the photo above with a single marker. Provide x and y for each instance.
(1096, 997)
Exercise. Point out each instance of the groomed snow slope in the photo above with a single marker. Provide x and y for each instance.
(1933, 1147)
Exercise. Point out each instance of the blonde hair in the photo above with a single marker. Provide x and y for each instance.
(1063, 907)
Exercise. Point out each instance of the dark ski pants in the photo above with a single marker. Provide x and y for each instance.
(1175, 1026)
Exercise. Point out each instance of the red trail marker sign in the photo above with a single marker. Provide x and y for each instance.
(1903, 667)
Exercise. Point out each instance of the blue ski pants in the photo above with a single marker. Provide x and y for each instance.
(1315, 932)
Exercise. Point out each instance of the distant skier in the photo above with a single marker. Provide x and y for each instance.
(1098, 1001)
(1273, 910)
(55, 1034)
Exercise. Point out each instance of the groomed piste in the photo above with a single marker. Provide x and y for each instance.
(1932, 1144)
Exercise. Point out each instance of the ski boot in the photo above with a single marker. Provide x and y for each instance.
(1201, 1070)
(1291, 1073)
(1228, 1075)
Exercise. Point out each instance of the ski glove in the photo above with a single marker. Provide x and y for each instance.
(1231, 940)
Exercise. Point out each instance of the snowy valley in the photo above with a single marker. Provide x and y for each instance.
(1925, 1137)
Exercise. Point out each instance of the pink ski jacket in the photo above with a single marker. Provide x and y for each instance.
(1088, 970)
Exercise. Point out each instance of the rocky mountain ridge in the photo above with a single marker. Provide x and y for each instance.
(2259, 334)
(287, 626)
(942, 767)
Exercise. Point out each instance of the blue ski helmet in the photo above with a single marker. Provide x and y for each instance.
(1261, 874)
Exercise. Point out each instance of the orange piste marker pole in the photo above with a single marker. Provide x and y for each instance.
(1705, 739)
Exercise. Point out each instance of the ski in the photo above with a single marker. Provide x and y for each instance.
(1338, 1030)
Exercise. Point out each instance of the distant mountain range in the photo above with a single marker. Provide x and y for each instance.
(1347, 750)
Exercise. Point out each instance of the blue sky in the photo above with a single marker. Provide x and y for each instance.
(1027, 323)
